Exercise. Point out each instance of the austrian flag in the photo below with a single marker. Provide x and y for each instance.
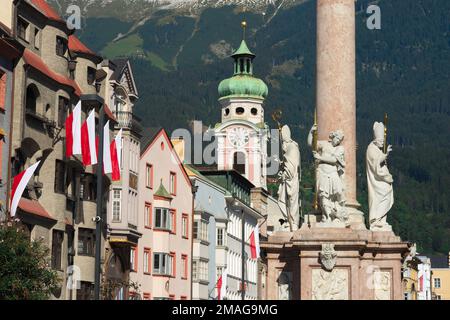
(254, 243)
(88, 138)
(222, 286)
(19, 184)
(116, 150)
(73, 132)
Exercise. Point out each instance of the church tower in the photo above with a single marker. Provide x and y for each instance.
(242, 134)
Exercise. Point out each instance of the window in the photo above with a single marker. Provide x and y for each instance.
(183, 298)
(86, 291)
(173, 259)
(173, 183)
(22, 29)
(60, 173)
(149, 176)
(171, 297)
(184, 266)
(133, 259)
(173, 217)
(37, 35)
(201, 230)
(200, 270)
(147, 260)
(86, 242)
(116, 205)
(61, 46)
(148, 215)
(57, 241)
(220, 237)
(185, 225)
(88, 190)
(219, 272)
(162, 219)
(63, 111)
(239, 162)
(162, 264)
(240, 110)
(32, 100)
(146, 296)
(437, 283)
(91, 75)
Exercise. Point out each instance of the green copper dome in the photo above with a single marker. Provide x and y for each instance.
(243, 83)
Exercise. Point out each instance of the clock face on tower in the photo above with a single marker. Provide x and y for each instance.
(238, 137)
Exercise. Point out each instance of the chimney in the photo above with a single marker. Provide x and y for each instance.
(178, 145)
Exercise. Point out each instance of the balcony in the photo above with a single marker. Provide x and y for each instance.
(127, 120)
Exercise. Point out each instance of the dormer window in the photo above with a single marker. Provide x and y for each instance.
(61, 46)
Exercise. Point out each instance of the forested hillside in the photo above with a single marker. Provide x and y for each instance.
(402, 69)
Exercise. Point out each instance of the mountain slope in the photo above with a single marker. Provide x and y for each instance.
(402, 69)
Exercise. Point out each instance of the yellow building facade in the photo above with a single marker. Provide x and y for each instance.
(441, 283)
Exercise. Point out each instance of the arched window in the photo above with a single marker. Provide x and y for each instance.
(239, 162)
(32, 98)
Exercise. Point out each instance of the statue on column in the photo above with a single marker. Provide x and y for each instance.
(379, 180)
(290, 175)
(330, 161)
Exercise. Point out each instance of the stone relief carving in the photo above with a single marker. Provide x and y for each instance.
(382, 285)
(328, 256)
(328, 285)
(285, 286)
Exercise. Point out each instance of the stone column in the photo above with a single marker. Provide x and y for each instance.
(336, 84)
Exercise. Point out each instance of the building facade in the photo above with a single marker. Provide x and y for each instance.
(161, 262)
(59, 205)
(209, 250)
(10, 52)
(123, 205)
(440, 284)
(242, 270)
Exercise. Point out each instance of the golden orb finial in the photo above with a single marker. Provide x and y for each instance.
(244, 26)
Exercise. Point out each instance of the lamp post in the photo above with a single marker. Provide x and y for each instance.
(98, 218)
(243, 256)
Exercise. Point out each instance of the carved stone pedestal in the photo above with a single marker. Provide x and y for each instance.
(334, 264)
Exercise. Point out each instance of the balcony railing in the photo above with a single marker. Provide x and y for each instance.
(128, 120)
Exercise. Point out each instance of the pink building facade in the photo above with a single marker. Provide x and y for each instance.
(161, 262)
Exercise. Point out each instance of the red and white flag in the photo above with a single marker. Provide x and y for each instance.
(107, 165)
(116, 151)
(254, 243)
(73, 132)
(222, 285)
(88, 140)
(19, 184)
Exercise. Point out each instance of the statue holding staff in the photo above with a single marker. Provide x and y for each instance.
(379, 179)
(289, 175)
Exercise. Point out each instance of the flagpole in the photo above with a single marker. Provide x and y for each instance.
(98, 218)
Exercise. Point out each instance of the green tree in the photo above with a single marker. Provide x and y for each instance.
(25, 273)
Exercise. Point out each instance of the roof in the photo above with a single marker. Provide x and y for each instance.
(162, 192)
(47, 10)
(34, 207)
(439, 262)
(76, 45)
(242, 50)
(120, 65)
(148, 135)
(37, 63)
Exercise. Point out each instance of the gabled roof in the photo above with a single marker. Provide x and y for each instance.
(122, 65)
(150, 135)
(37, 63)
(46, 10)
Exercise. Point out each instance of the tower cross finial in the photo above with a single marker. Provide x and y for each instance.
(244, 26)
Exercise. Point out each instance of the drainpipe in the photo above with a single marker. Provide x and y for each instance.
(243, 256)
(194, 192)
